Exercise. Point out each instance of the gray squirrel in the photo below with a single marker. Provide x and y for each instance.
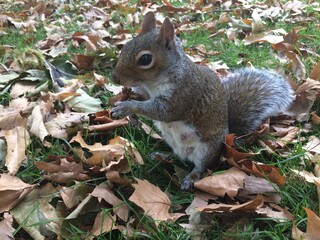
(193, 109)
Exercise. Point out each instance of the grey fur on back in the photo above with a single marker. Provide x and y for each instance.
(251, 99)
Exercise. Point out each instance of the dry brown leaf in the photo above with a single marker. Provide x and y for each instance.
(261, 37)
(103, 223)
(112, 155)
(36, 208)
(257, 23)
(83, 62)
(36, 120)
(292, 133)
(65, 124)
(65, 177)
(20, 88)
(315, 73)
(12, 191)
(6, 229)
(119, 207)
(17, 140)
(254, 186)
(297, 65)
(306, 94)
(274, 211)
(313, 226)
(62, 170)
(60, 165)
(219, 184)
(308, 176)
(250, 206)
(313, 145)
(114, 176)
(240, 160)
(153, 201)
(315, 118)
(73, 195)
(148, 130)
(12, 116)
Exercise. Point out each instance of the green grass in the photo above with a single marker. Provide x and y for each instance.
(296, 194)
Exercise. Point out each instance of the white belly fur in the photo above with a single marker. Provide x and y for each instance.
(183, 139)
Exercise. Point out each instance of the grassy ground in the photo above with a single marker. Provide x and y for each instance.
(296, 194)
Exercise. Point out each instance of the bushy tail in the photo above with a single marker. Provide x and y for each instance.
(253, 96)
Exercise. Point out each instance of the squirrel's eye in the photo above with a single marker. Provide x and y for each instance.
(145, 59)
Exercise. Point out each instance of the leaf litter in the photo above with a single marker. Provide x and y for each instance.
(50, 99)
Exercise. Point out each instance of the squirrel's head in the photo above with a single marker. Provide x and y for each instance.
(147, 57)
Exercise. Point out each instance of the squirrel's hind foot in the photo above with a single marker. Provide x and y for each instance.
(188, 182)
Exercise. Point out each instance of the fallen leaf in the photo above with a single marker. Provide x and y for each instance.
(82, 102)
(103, 223)
(62, 171)
(81, 217)
(292, 133)
(36, 119)
(36, 209)
(306, 94)
(297, 65)
(275, 212)
(10, 118)
(17, 142)
(250, 206)
(313, 145)
(262, 37)
(6, 229)
(12, 191)
(315, 73)
(315, 118)
(73, 195)
(113, 156)
(313, 225)
(65, 124)
(153, 201)
(219, 184)
(114, 176)
(259, 186)
(240, 160)
(257, 23)
(119, 207)
(308, 176)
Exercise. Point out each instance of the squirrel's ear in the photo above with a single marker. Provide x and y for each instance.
(149, 22)
(166, 35)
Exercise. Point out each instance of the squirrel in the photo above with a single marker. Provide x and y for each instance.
(191, 106)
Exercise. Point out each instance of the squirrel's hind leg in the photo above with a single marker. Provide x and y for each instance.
(203, 157)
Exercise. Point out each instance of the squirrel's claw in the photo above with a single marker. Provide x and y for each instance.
(121, 109)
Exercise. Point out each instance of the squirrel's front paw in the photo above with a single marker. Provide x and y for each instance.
(122, 109)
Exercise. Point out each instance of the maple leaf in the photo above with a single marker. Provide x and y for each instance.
(313, 225)
(6, 229)
(219, 184)
(153, 201)
(240, 160)
(12, 190)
